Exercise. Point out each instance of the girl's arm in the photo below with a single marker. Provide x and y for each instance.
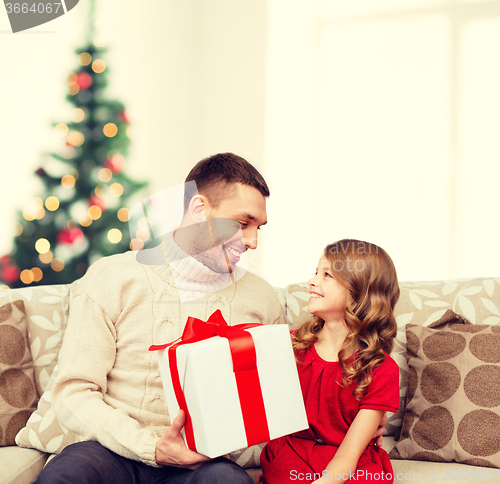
(343, 465)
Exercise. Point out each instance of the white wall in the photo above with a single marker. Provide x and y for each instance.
(382, 125)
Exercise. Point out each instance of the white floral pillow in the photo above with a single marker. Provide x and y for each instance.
(47, 309)
(43, 431)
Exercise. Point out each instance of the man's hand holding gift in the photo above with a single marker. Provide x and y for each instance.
(171, 449)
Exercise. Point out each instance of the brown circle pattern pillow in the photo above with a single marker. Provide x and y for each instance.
(453, 403)
(18, 393)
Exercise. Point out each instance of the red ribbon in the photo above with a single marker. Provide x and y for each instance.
(244, 366)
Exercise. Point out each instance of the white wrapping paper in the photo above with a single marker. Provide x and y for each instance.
(206, 375)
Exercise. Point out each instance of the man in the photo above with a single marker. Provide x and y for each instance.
(108, 390)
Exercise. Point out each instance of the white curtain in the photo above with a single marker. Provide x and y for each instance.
(383, 120)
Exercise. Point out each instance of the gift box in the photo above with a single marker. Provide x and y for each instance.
(237, 384)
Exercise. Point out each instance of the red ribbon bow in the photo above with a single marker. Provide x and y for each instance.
(244, 366)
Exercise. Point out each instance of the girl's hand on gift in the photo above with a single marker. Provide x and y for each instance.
(171, 449)
(258, 478)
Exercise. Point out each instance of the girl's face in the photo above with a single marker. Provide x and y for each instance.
(328, 297)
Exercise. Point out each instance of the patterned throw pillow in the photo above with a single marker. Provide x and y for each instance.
(453, 401)
(18, 395)
(43, 431)
(47, 309)
(47, 319)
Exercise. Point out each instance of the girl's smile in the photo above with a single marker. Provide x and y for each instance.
(328, 297)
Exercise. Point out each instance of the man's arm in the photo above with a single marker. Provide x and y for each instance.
(87, 356)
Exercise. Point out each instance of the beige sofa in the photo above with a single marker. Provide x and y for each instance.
(45, 311)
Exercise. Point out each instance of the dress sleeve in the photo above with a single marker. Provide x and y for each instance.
(383, 391)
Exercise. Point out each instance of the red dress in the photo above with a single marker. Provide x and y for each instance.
(330, 410)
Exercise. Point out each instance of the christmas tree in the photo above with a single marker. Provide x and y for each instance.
(82, 214)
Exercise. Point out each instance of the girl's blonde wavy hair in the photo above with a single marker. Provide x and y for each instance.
(369, 275)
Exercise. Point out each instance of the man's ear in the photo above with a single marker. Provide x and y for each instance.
(197, 208)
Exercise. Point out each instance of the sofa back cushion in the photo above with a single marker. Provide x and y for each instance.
(420, 303)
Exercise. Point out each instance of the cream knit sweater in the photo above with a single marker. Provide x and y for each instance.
(108, 386)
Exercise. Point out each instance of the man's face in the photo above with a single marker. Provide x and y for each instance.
(246, 208)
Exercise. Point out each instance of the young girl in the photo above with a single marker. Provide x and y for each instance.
(348, 378)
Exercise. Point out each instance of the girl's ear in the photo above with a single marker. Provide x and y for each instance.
(197, 208)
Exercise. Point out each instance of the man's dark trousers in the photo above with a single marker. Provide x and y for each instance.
(91, 463)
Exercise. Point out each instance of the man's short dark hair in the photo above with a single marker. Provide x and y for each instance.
(216, 175)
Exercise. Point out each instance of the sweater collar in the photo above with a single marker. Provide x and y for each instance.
(192, 278)
(187, 267)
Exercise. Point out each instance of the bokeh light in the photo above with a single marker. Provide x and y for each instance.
(75, 138)
(123, 214)
(77, 115)
(95, 212)
(144, 223)
(110, 130)
(34, 210)
(37, 274)
(52, 203)
(61, 130)
(114, 236)
(47, 257)
(98, 66)
(116, 190)
(84, 220)
(68, 181)
(136, 244)
(27, 276)
(57, 264)
(105, 174)
(42, 245)
(28, 215)
(73, 88)
(40, 214)
(85, 59)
